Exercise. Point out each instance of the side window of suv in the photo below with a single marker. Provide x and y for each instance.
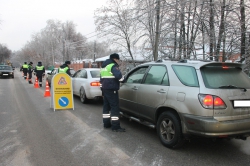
(137, 75)
(186, 74)
(157, 75)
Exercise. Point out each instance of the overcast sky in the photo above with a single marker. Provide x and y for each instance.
(21, 18)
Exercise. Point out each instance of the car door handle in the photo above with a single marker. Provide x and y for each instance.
(135, 88)
(161, 91)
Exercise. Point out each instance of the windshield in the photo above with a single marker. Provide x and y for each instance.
(5, 68)
(215, 77)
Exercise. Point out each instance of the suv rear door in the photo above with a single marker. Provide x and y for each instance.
(153, 91)
(228, 82)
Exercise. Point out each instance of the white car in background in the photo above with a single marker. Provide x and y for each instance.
(86, 84)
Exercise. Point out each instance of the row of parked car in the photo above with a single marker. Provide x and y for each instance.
(180, 99)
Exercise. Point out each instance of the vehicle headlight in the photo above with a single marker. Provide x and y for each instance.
(11, 73)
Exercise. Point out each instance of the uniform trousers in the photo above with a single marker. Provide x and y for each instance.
(111, 111)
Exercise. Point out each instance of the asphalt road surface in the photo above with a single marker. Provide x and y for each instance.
(32, 134)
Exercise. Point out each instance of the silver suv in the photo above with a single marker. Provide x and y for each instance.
(185, 98)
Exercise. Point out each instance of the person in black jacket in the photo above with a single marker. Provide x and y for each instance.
(30, 70)
(65, 68)
(40, 72)
(110, 76)
(24, 68)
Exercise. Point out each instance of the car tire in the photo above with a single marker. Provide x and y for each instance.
(83, 96)
(169, 130)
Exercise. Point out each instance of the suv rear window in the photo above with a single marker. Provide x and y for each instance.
(215, 77)
(187, 75)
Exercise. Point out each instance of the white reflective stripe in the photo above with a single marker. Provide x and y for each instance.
(114, 118)
(106, 115)
(108, 77)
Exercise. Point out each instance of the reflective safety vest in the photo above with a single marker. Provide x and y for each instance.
(60, 70)
(25, 66)
(106, 72)
(39, 67)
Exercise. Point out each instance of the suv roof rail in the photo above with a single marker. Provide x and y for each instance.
(183, 61)
(159, 60)
(192, 60)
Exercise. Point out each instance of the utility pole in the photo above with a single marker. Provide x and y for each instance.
(157, 30)
(94, 50)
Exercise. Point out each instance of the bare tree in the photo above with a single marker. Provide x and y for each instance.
(4, 53)
(116, 22)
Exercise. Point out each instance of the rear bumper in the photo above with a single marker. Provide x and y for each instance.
(93, 93)
(6, 74)
(210, 127)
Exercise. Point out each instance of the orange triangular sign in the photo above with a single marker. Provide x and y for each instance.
(62, 81)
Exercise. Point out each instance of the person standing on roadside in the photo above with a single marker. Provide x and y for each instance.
(65, 68)
(110, 76)
(30, 70)
(39, 72)
(24, 68)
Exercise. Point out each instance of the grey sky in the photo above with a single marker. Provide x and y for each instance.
(21, 18)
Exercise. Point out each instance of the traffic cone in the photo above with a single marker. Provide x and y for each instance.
(36, 84)
(47, 91)
(27, 77)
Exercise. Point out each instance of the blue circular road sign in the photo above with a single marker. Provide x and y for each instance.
(63, 101)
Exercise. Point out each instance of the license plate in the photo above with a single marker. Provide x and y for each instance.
(242, 103)
(5, 74)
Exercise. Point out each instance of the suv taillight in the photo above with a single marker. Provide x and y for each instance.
(211, 101)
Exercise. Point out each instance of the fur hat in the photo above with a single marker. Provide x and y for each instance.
(39, 63)
(67, 62)
(114, 56)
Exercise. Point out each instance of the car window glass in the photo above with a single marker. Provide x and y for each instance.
(155, 76)
(186, 74)
(72, 71)
(5, 68)
(76, 75)
(83, 74)
(95, 74)
(165, 80)
(137, 76)
(214, 77)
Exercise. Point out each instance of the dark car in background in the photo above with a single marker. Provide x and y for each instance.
(6, 71)
(54, 72)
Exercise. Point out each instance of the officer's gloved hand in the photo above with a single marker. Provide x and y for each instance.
(121, 79)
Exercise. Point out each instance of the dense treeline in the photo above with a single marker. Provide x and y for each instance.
(178, 28)
(191, 29)
(5, 54)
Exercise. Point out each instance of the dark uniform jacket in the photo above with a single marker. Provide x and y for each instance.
(30, 69)
(111, 83)
(63, 66)
(39, 72)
